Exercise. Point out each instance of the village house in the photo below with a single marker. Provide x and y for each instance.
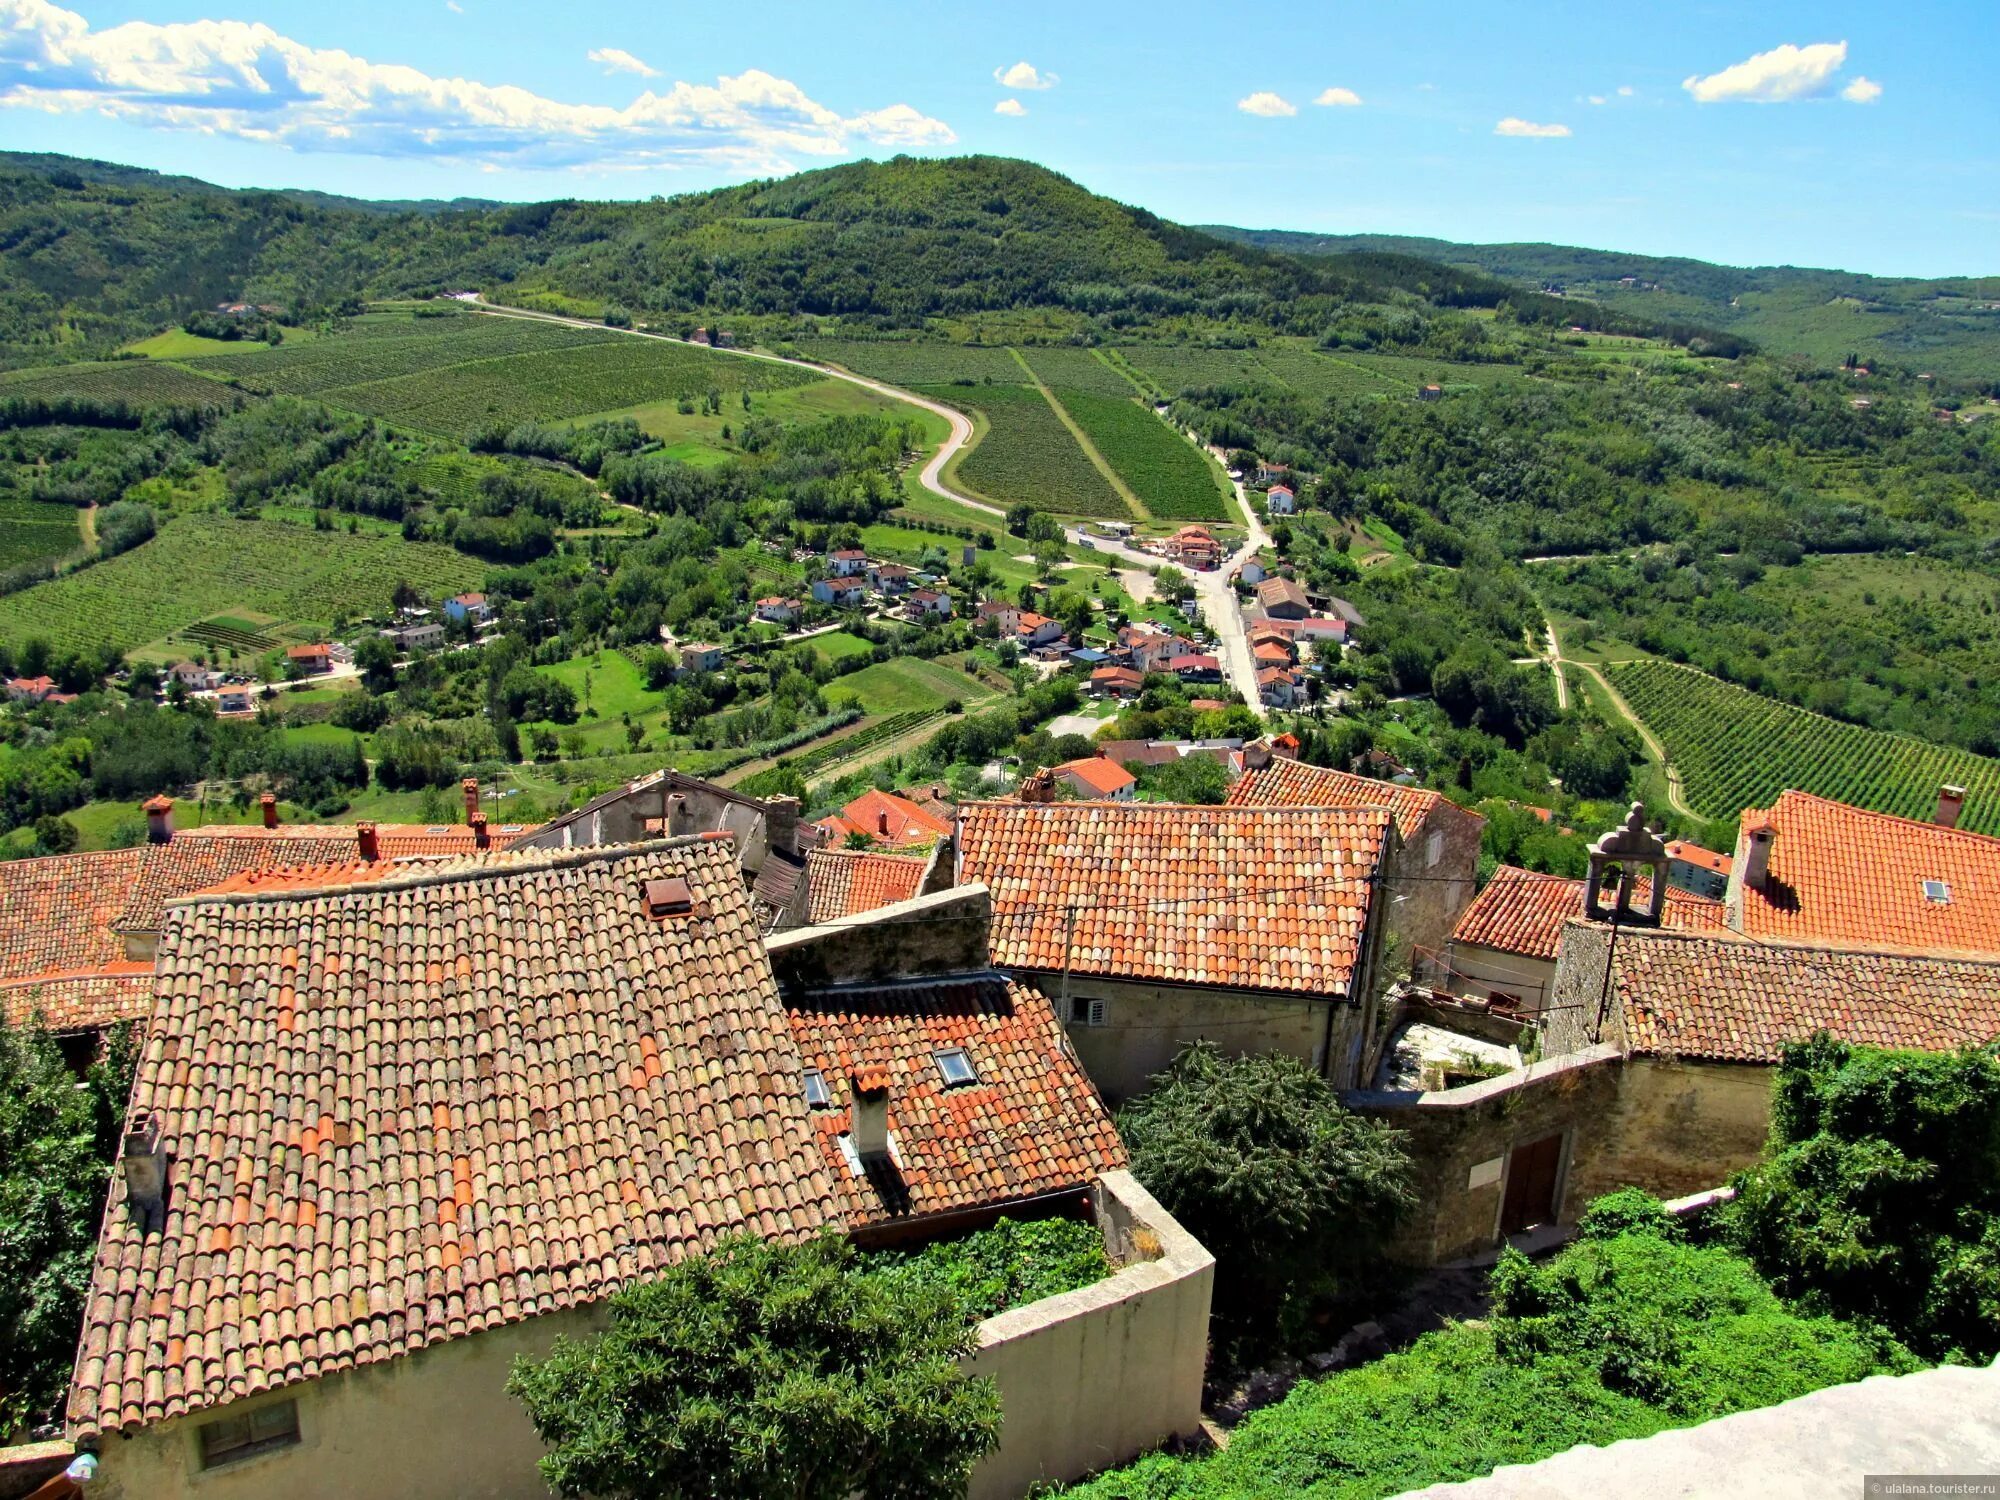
(1196, 666)
(1432, 869)
(1031, 629)
(30, 689)
(1282, 599)
(777, 610)
(1340, 609)
(417, 635)
(700, 656)
(1157, 925)
(1266, 652)
(1279, 687)
(191, 675)
(311, 660)
(844, 883)
(841, 593)
(472, 607)
(234, 702)
(1194, 547)
(1117, 682)
(1280, 501)
(1268, 474)
(1430, 393)
(848, 562)
(889, 578)
(927, 604)
(1096, 778)
(1700, 871)
(886, 818)
(522, 1190)
(1252, 572)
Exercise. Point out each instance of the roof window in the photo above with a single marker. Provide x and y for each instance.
(816, 1094)
(955, 1067)
(1938, 891)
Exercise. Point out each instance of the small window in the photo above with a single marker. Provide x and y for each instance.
(816, 1095)
(1434, 847)
(1937, 890)
(437, 828)
(956, 1067)
(229, 1438)
(1084, 1012)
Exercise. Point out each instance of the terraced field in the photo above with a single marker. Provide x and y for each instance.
(201, 566)
(1736, 749)
(1027, 455)
(1169, 474)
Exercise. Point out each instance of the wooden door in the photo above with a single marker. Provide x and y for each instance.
(1531, 1185)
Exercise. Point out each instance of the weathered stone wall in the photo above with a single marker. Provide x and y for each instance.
(1460, 1139)
(1427, 896)
(1476, 970)
(944, 933)
(1679, 1128)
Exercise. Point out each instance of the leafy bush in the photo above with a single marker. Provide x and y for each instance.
(1615, 1338)
(1007, 1265)
(1882, 1198)
(1258, 1158)
(766, 1371)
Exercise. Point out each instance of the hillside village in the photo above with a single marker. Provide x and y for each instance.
(403, 1089)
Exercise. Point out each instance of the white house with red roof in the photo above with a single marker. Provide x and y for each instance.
(1096, 778)
(777, 610)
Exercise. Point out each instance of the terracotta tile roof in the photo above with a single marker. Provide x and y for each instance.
(193, 862)
(1099, 773)
(56, 913)
(1523, 911)
(81, 1001)
(847, 882)
(403, 1112)
(1724, 999)
(1293, 783)
(892, 819)
(1239, 897)
(1030, 1122)
(1280, 591)
(1849, 878)
(395, 840)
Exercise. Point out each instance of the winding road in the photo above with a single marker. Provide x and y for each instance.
(1213, 594)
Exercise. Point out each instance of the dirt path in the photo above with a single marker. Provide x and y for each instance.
(86, 523)
(1616, 699)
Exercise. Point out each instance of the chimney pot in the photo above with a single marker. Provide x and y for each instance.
(882, 821)
(160, 820)
(1950, 803)
(269, 803)
(369, 845)
(1758, 837)
(869, 1123)
(143, 1161)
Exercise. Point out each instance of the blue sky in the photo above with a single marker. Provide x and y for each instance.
(1862, 136)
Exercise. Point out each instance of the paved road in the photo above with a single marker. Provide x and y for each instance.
(1212, 591)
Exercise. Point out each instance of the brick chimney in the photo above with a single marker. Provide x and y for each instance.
(269, 803)
(369, 846)
(1950, 803)
(143, 1160)
(869, 1122)
(160, 820)
(882, 821)
(470, 786)
(1759, 834)
(781, 824)
(1039, 787)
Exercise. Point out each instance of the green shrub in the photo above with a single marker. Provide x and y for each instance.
(1007, 1265)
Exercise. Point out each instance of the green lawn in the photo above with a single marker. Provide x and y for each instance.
(697, 438)
(606, 681)
(904, 685)
(839, 646)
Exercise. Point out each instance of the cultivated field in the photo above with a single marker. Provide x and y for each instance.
(1078, 370)
(916, 364)
(1171, 477)
(136, 381)
(906, 684)
(34, 530)
(1736, 749)
(1027, 455)
(203, 566)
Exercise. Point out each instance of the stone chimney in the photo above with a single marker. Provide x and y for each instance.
(480, 838)
(882, 821)
(367, 844)
(1759, 834)
(1256, 755)
(680, 815)
(160, 820)
(1039, 787)
(869, 1124)
(143, 1160)
(269, 803)
(781, 824)
(470, 786)
(1951, 802)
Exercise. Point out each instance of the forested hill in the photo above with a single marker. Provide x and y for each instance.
(1951, 324)
(93, 255)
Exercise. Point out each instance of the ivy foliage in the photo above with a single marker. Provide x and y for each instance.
(1881, 1199)
(1011, 1263)
(57, 1143)
(766, 1372)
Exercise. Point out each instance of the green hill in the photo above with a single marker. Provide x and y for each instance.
(1950, 325)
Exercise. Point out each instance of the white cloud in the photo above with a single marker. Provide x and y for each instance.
(1010, 107)
(1513, 125)
(1862, 91)
(1266, 103)
(1593, 99)
(454, 7)
(1775, 77)
(1340, 97)
(245, 80)
(1024, 75)
(1626, 91)
(618, 60)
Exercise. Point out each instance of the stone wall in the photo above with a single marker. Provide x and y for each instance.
(1099, 1375)
(1460, 1140)
(942, 933)
(1481, 971)
(1679, 1127)
(1425, 895)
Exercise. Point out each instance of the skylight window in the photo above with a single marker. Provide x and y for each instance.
(1937, 890)
(955, 1067)
(816, 1095)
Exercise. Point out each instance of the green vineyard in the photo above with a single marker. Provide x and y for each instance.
(1736, 749)
(1027, 455)
(1078, 370)
(138, 382)
(1169, 474)
(916, 364)
(833, 752)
